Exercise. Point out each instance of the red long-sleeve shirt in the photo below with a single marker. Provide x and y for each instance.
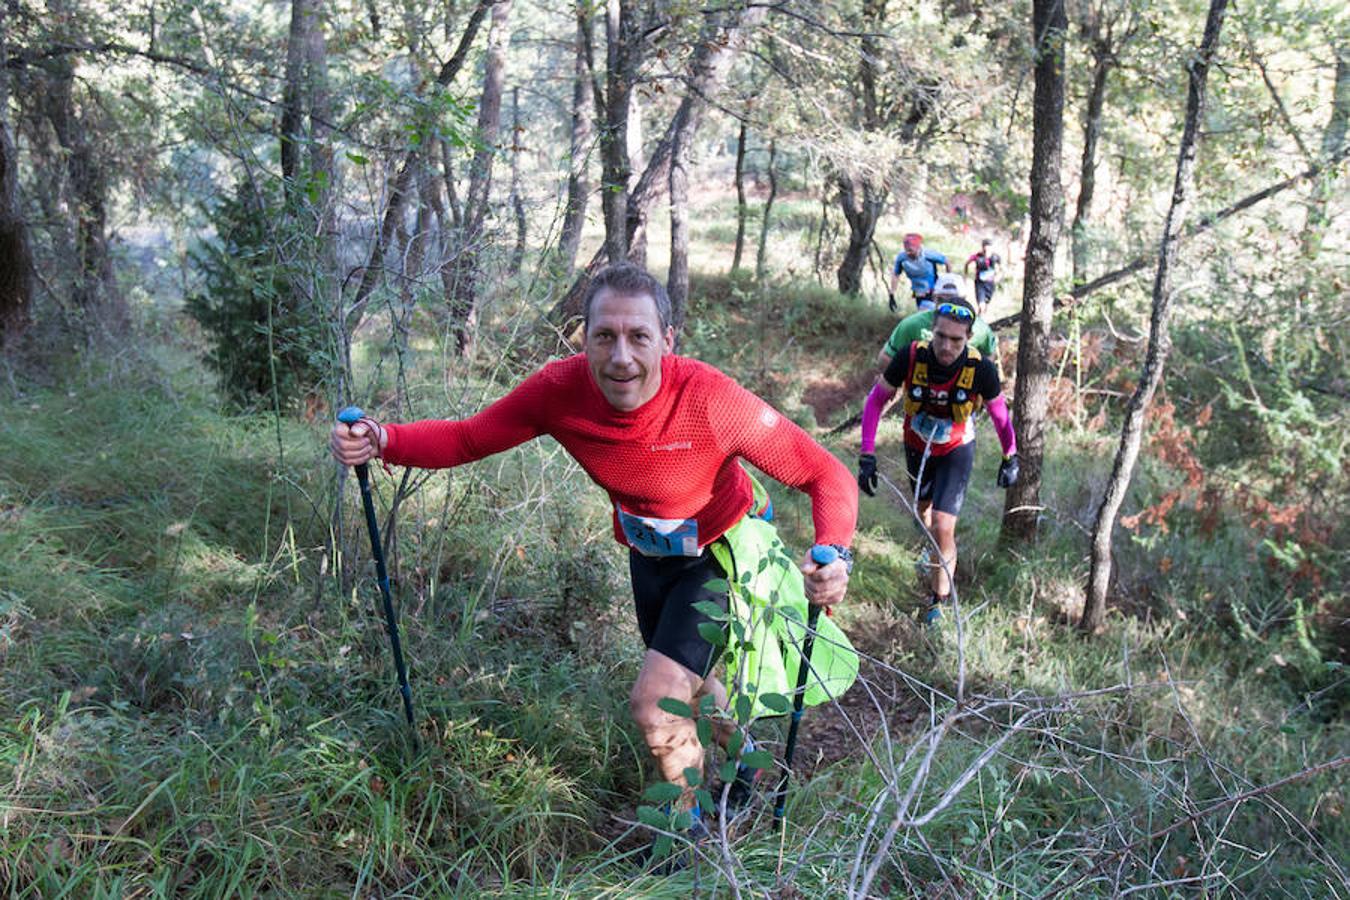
(674, 457)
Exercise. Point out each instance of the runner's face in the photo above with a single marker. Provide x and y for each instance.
(949, 339)
(624, 346)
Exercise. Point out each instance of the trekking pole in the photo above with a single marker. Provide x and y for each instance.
(350, 416)
(821, 556)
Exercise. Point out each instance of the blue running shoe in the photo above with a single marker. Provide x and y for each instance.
(932, 616)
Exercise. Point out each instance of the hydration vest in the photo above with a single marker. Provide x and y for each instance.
(954, 399)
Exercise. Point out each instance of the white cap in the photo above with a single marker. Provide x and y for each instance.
(949, 286)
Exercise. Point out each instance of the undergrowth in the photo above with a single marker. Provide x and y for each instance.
(198, 700)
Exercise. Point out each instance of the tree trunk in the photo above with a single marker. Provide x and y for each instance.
(400, 190)
(621, 63)
(677, 281)
(708, 70)
(817, 265)
(16, 259)
(292, 102)
(1159, 340)
(517, 203)
(762, 253)
(862, 203)
(415, 244)
(1031, 399)
(94, 292)
(448, 179)
(467, 259)
(320, 105)
(637, 214)
(862, 196)
(719, 41)
(1103, 62)
(583, 115)
(1333, 142)
(742, 210)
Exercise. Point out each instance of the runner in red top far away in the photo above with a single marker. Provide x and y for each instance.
(663, 435)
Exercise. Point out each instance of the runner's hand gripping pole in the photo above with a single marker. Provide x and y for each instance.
(821, 555)
(350, 416)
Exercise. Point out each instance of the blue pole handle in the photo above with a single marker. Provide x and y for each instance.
(351, 415)
(821, 554)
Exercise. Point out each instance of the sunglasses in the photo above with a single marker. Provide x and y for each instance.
(954, 311)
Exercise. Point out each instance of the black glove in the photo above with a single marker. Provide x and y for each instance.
(1008, 471)
(891, 295)
(867, 474)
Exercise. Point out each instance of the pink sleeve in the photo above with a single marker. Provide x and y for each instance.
(871, 415)
(1003, 427)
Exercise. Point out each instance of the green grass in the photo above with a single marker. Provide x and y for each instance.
(198, 700)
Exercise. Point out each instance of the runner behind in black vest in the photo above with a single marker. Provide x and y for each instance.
(945, 383)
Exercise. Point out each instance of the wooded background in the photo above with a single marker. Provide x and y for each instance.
(398, 204)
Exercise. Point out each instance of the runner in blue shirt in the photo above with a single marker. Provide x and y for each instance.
(921, 266)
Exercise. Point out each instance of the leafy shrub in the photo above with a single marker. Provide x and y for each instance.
(269, 341)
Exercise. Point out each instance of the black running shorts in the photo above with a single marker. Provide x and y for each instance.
(944, 477)
(665, 589)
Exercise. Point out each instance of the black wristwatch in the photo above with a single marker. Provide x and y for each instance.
(846, 555)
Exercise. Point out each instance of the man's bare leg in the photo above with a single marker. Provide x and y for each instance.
(944, 531)
(672, 740)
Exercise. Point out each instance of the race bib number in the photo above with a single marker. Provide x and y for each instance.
(931, 428)
(659, 537)
(986, 275)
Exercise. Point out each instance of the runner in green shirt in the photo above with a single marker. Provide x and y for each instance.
(919, 326)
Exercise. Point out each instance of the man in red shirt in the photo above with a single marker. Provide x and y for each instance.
(663, 435)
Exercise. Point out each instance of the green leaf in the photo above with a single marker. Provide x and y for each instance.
(734, 745)
(743, 709)
(357, 158)
(776, 702)
(758, 759)
(661, 792)
(693, 776)
(714, 586)
(683, 819)
(705, 732)
(704, 798)
(711, 610)
(661, 846)
(712, 633)
(727, 772)
(675, 707)
(653, 817)
(707, 705)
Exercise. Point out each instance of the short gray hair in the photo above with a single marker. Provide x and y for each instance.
(627, 280)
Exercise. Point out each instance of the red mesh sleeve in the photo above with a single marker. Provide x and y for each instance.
(749, 427)
(442, 443)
